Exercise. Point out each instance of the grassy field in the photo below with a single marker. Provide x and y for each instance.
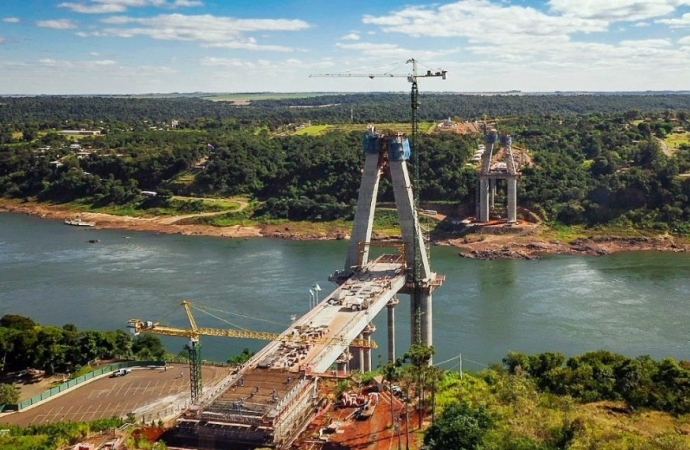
(314, 130)
(246, 98)
(393, 127)
(675, 140)
(219, 204)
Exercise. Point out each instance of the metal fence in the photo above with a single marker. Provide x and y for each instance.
(76, 381)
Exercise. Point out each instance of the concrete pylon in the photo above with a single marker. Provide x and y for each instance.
(390, 152)
(512, 199)
(364, 214)
(409, 219)
(484, 192)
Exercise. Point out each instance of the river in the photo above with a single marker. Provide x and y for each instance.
(631, 303)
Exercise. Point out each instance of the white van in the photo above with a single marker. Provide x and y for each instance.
(120, 372)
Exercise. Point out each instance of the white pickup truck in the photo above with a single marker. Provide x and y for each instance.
(120, 373)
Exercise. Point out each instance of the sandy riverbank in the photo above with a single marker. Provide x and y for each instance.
(164, 224)
(523, 245)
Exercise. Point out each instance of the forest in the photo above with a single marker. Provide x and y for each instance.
(596, 160)
(544, 401)
(26, 344)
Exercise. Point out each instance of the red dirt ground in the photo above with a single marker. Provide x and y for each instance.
(375, 433)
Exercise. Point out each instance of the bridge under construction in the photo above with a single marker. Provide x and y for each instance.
(272, 397)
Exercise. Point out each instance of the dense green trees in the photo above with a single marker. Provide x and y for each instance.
(118, 113)
(9, 394)
(53, 435)
(594, 160)
(25, 344)
(541, 402)
(641, 382)
(461, 426)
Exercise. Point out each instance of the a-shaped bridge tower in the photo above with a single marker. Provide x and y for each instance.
(387, 153)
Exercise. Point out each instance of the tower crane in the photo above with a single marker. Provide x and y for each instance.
(414, 104)
(137, 326)
(411, 77)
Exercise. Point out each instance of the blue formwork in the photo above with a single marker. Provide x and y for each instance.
(398, 148)
(372, 142)
(506, 139)
(491, 137)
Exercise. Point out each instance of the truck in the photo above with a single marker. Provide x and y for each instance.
(120, 373)
(355, 303)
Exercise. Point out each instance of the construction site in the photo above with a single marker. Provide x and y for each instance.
(284, 395)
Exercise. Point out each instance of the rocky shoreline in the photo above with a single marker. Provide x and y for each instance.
(487, 246)
(592, 245)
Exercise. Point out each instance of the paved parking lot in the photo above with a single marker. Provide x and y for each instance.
(145, 392)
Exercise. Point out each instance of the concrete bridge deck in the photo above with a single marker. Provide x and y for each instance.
(271, 397)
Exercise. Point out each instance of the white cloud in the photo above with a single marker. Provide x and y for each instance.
(94, 8)
(11, 20)
(68, 64)
(683, 22)
(497, 37)
(641, 24)
(615, 10)
(207, 27)
(57, 24)
(187, 3)
(2, 39)
(117, 6)
(250, 44)
(227, 62)
(380, 50)
(656, 43)
(212, 31)
(482, 20)
(264, 67)
(351, 37)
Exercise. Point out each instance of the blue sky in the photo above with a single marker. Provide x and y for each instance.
(160, 46)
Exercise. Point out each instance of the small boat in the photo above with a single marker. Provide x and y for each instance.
(78, 222)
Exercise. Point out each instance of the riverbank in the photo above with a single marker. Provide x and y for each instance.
(523, 243)
(159, 224)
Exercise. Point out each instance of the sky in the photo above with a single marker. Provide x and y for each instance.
(162, 46)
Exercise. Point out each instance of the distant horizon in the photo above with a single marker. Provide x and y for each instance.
(125, 47)
(319, 93)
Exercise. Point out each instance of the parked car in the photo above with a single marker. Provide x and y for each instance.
(120, 373)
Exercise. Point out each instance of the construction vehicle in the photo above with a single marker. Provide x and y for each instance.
(303, 335)
(355, 303)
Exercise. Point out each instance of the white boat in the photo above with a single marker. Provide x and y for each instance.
(78, 222)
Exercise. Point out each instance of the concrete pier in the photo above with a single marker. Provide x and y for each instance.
(391, 327)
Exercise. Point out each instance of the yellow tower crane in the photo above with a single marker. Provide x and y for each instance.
(137, 326)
